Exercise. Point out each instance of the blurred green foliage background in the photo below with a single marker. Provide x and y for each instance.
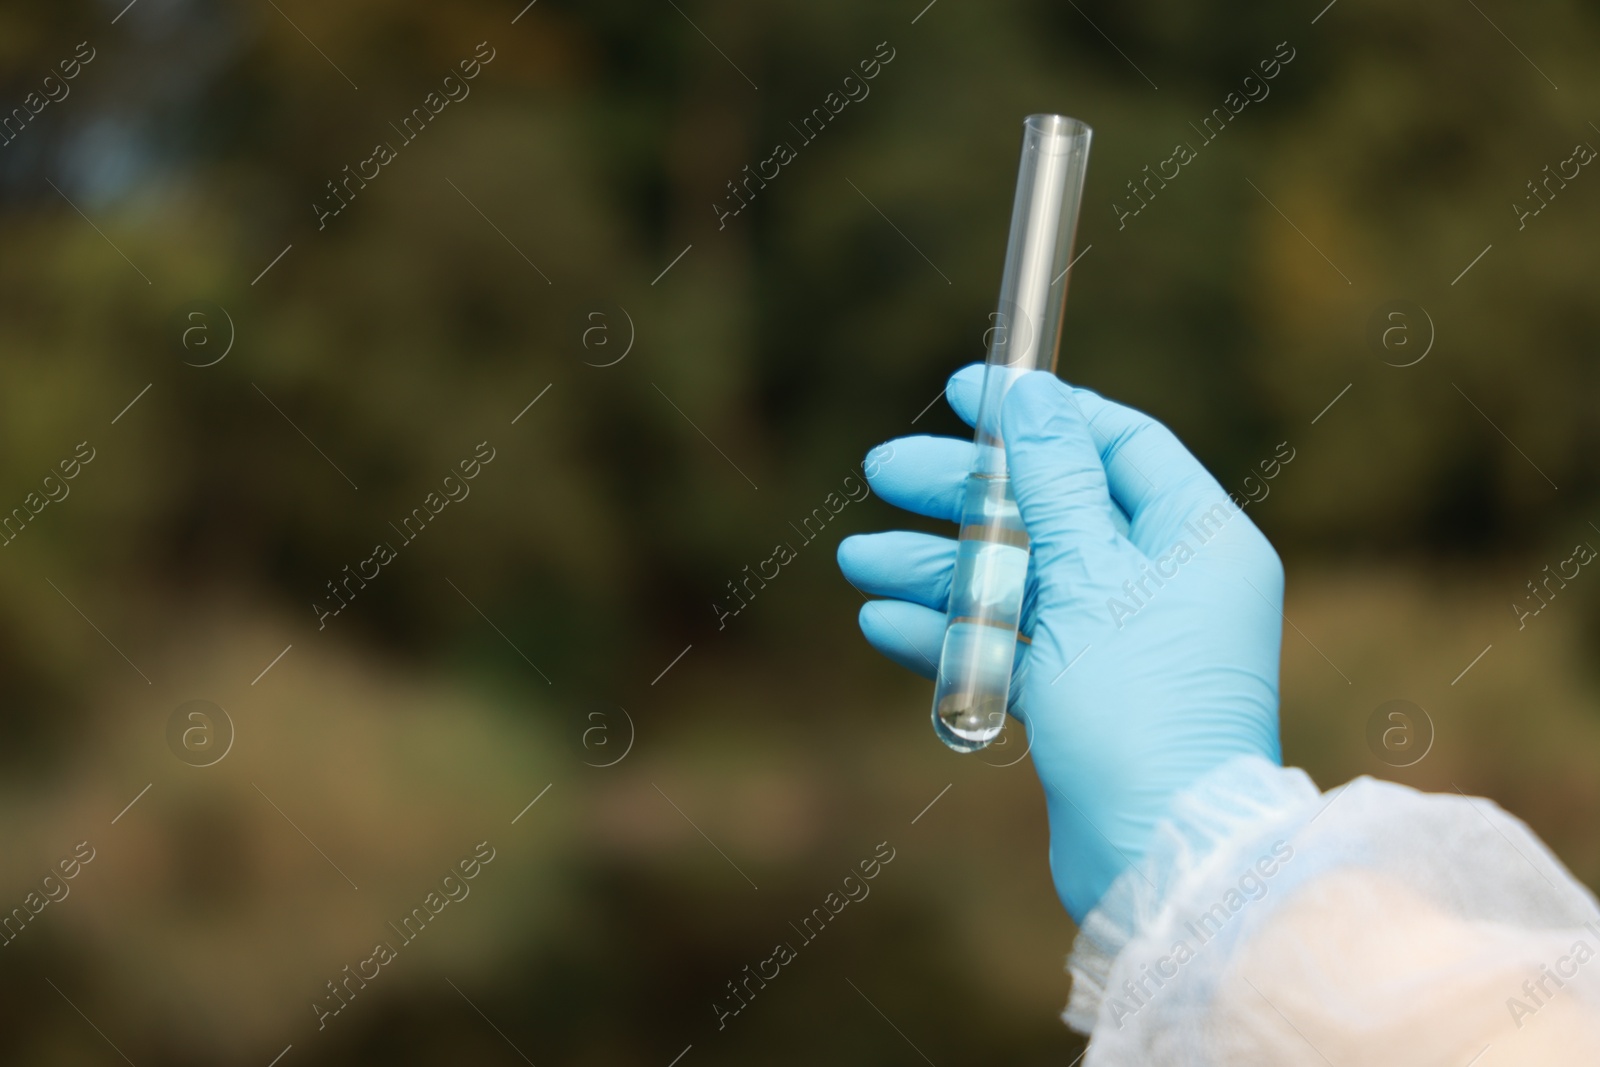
(817, 323)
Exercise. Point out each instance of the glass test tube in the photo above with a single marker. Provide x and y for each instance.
(986, 591)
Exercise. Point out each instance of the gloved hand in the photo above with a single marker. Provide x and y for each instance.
(1154, 653)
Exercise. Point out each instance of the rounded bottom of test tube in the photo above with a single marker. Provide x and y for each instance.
(968, 726)
(974, 685)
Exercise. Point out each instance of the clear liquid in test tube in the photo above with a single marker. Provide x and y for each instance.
(986, 593)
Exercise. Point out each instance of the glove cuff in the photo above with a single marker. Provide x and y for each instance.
(1213, 822)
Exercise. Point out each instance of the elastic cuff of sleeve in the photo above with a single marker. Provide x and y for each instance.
(1238, 802)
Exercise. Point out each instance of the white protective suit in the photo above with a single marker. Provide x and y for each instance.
(1374, 925)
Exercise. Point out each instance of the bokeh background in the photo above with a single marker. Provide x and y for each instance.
(555, 635)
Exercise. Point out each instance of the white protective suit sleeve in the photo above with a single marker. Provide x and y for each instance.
(1375, 925)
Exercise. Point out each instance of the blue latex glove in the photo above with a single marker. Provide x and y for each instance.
(1130, 690)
